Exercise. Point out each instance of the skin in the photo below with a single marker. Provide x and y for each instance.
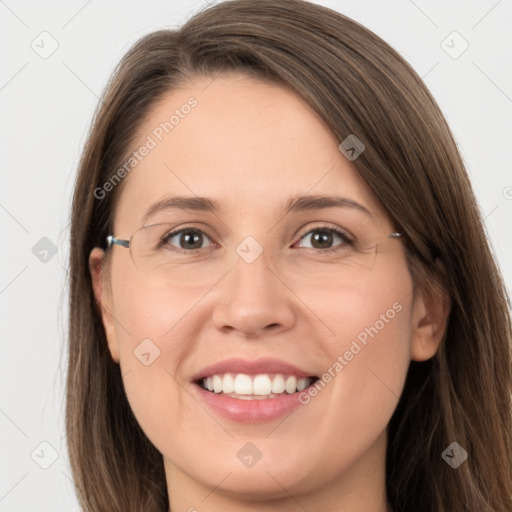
(250, 146)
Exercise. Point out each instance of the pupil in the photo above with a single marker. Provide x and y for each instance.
(192, 237)
(323, 237)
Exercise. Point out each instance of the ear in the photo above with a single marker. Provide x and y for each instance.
(103, 296)
(430, 320)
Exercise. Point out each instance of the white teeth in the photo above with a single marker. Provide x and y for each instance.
(252, 387)
(262, 385)
(243, 384)
(278, 384)
(302, 384)
(217, 384)
(291, 385)
(228, 384)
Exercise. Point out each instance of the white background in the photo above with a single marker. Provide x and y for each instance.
(46, 106)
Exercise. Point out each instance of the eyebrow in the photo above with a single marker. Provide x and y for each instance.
(296, 203)
(315, 202)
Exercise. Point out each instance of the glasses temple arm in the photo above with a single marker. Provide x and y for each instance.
(111, 240)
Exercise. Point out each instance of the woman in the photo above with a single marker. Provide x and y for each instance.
(282, 296)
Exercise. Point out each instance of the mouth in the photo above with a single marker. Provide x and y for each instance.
(252, 391)
(242, 386)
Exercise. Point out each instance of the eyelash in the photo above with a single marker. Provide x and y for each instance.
(346, 240)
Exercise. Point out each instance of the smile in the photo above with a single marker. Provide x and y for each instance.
(257, 387)
(252, 391)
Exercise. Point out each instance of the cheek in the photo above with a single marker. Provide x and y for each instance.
(368, 357)
(368, 343)
(151, 350)
(156, 310)
(154, 336)
(368, 320)
(375, 356)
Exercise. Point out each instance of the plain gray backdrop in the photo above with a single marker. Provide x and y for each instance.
(56, 59)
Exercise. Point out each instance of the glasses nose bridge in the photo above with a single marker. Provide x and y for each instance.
(255, 291)
(253, 262)
(249, 251)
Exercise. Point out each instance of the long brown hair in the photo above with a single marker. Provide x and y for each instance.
(359, 85)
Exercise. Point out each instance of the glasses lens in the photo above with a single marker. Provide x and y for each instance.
(161, 251)
(189, 254)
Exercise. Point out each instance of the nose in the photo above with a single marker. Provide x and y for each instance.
(255, 301)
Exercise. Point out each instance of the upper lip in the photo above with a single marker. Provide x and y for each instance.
(256, 367)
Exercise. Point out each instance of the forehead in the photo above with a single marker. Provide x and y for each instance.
(249, 145)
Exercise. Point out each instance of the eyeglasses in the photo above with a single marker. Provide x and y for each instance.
(153, 251)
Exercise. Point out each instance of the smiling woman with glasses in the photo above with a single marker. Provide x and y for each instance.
(283, 298)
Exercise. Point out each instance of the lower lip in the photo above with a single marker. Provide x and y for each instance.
(249, 411)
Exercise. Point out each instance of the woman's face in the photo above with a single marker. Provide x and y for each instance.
(258, 299)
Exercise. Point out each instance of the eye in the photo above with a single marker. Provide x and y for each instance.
(323, 237)
(186, 239)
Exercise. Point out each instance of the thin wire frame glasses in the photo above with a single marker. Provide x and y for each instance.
(151, 251)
